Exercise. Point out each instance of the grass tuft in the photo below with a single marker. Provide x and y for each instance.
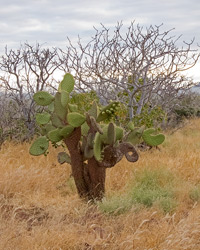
(153, 186)
(149, 187)
(194, 194)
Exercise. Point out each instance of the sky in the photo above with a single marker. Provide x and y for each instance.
(52, 21)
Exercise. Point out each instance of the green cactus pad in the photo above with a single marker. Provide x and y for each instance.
(88, 150)
(39, 146)
(51, 107)
(67, 83)
(107, 111)
(94, 110)
(88, 153)
(104, 136)
(111, 134)
(83, 143)
(75, 119)
(73, 107)
(152, 140)
(54, 135)
(43, 98)
(91, 121)
(134, 137)
(84, 129)
(66, 131)
(130, 126)
(60, 111)
(119, 133)
(63, 157)
(90, 140)
(64, 98)
(47, 128)
(55, 120)
(98, 147)
(43, 118)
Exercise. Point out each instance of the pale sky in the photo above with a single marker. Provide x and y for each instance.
(52, 21)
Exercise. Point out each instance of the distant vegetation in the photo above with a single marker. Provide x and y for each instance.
(143, 68)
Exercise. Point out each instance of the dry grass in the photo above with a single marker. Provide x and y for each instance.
(39, 207)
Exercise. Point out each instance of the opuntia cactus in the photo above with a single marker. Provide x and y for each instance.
(151, 138)
(92, 145)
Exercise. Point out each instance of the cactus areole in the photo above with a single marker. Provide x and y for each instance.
(91, 146)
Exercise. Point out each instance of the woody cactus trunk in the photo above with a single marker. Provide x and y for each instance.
(91, 145)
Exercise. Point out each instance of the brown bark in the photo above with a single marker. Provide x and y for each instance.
(89, 178)
(96, 179)
(72, 143)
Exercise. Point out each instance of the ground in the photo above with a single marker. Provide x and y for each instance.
(153, 204)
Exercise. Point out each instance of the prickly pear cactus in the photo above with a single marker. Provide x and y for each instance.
(91, 143)
(151, 138)
(39, 146)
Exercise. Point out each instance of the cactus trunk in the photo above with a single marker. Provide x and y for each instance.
(89, 178)
(96, 180)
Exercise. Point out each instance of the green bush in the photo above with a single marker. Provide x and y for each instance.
(150, 187)
(150, 118)
(194, 194)
(116, 204)
(84, 100)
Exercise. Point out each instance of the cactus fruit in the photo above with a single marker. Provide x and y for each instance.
(43, 98)
(42, 119)
(107, 111)
(66, 131)
(67, 83)
(63, 157)
(152, 140)
(39, 146)
(75, 119)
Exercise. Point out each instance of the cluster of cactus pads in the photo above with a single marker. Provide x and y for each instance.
(97, 140)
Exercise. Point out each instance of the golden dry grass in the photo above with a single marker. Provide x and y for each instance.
(39, 207)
